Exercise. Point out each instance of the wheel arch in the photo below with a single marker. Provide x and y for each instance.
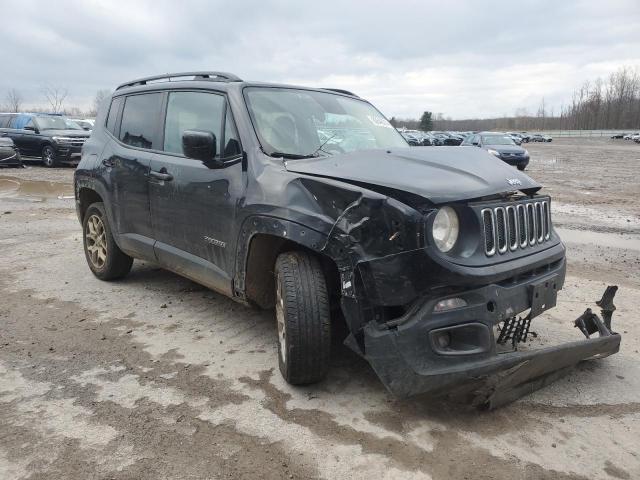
(86, 197)
(262, 239)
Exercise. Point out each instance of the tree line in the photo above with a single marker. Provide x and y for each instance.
(609, 104)
(52, 99)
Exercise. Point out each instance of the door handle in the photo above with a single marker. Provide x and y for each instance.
(161, 175)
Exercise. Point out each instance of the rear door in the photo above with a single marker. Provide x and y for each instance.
(29, 139)
(137, 132)
(193, 212)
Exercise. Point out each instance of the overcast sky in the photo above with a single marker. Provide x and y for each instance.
(462, 58)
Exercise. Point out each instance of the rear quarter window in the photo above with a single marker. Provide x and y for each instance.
(112, 118)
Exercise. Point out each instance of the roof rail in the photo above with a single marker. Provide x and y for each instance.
(214, 76)
(340, 90)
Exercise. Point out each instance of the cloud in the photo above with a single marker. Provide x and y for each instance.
(464, 58)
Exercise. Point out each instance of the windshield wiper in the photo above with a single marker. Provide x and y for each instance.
(323, 144)
(292, 156)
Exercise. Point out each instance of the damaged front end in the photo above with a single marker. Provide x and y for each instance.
(468, 362)
(436, 323)
(447, 320)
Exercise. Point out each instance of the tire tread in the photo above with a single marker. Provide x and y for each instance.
(307, 317)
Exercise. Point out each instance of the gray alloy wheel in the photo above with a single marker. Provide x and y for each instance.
(282, 326)
(96, 243)
(104, 257)
(48, 156)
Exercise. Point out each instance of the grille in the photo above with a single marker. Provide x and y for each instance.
(73, 142)
(489, 233)
(516, 226)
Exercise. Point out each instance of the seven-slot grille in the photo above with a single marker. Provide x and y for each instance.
(519, 225)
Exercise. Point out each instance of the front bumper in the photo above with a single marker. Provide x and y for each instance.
(516, 161)
(10, 157)
(409, 359)
(68, 153)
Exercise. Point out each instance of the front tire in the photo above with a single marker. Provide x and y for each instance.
(105, 259)
(304, 319)
(522, 167)
(49, 156)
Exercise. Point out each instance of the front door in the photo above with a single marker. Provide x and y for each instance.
(193, 203)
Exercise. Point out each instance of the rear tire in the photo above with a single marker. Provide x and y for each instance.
(304, 319)
(49, 156)
(105, 259)
(522, 167)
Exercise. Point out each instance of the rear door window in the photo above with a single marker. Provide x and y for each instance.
(140, 121)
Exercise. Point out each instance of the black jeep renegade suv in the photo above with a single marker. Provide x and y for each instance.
(308, 201)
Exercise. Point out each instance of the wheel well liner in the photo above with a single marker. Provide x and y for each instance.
(87, 196)
(258, 273)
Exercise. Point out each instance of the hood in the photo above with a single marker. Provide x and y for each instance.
(66, 133)
(6, 142)
(439, 174)
(506, 148)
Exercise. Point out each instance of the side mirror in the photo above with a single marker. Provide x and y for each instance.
(31, 128)
(200, 145)
(476, 144)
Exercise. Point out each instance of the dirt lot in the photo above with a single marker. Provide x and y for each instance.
(156, 377)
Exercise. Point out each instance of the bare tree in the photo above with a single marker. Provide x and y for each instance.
(14, 100)
(101, 96)
(55, 97)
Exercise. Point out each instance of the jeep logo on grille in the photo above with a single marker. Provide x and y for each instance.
(513, 181)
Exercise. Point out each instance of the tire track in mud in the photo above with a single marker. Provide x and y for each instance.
(81, 361)
(452, 456)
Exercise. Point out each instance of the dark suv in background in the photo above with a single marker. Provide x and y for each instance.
(47, 136)
(307, 201)
(500, 145)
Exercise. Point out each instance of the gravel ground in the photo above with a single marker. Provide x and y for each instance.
(155, 377)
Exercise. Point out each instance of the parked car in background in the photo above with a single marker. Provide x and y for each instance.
(525, 137)
(616, 136)
(411, 139)
(516, 137)
(49, 137)
(501, 146)
(9, 154)
(629, 136)
(447, 139)
(85, 124)
(538, 137)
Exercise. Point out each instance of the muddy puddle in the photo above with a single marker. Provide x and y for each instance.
(36, 190)
(613, 240)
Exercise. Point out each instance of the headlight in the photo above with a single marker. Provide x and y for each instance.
(493, 152)
(445, 229)
(62, 139)
(526, 152)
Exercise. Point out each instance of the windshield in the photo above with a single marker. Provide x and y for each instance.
(55, 123)
(496, 140)
(304, 123)
(73, 124)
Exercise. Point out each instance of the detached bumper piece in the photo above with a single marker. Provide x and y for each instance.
(488, 379)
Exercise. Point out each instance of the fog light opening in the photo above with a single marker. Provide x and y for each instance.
(491, 306)
(450, 304)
